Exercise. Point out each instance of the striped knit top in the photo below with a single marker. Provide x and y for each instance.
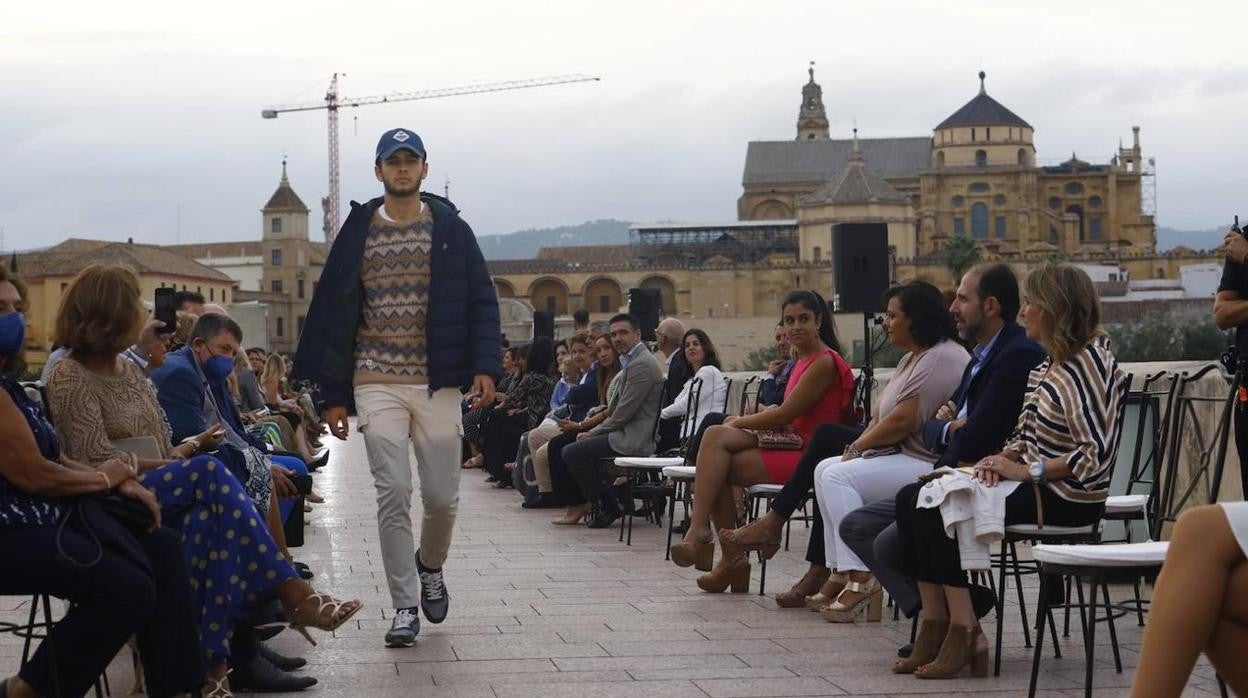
(1072, 411)
(390, 343)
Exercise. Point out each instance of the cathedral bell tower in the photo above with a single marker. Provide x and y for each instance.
(812, 120)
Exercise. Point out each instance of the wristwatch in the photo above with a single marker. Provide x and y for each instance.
(1036, 471)
(194, 442)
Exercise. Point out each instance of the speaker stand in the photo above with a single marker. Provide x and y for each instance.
(868, 370)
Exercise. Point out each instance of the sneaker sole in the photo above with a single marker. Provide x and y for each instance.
(400, 644)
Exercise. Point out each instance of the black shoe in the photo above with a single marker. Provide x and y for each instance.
(304, 571)
(905, 650)
(982, 600)
(605, 515)
(545, 500)
(404, 628)
(268, 632)
(319, 462)
(680, 528)
(280, 661)
(434, 598)
(260, 675)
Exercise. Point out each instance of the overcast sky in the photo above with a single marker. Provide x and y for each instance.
(119, 115)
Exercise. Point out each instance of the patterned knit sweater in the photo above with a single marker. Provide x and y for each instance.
(391, 339)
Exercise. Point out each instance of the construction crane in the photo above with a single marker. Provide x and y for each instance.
(333, 102)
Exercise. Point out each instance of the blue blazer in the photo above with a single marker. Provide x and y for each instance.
(180, 386)
(993, 398)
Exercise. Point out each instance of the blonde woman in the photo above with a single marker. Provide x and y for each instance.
(271, 386)
(1065, 444)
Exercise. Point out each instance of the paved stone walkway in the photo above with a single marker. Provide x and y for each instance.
(542, 610)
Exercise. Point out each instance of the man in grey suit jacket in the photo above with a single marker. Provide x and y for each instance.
(629, 430)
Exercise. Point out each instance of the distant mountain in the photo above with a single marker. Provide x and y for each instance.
(524, 244)
(1195, 239)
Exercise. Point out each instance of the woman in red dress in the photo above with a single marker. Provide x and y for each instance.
(819, 391)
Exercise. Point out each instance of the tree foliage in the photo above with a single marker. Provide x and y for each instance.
(1167, 340)
(757, 359)
(961, 253)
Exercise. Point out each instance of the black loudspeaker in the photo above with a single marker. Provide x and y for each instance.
(543, 324)
(645, 305)
(860, 253)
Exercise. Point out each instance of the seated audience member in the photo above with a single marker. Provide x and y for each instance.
(699, 354)
(524, 408)
(271, 384)
(1065, 444)
(628, 430)
(610, 375)
(669, 347)
(890, 452)
(189, 301)
(561, 353)
(974, 424)
(100, 398)
(250, 397)
(569, 377)
(474, 420)
(580, 397)
(137, 585)
(771, 388)
(730, 455)
(1199, 604)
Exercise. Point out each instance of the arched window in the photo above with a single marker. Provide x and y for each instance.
(818, 254)
(1022, 157)
(981, 158)
(979, 221)
(1078, 211)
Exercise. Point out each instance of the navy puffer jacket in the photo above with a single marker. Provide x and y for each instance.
(463, 336)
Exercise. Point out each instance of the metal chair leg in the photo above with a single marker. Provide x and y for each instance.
(1018, 583)
(1113, 632)
(671, 519)
(1000, 594)
(1042, 611)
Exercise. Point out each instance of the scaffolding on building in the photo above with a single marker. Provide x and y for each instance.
(739, 242)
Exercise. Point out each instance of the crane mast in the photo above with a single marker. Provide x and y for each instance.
(333, 102)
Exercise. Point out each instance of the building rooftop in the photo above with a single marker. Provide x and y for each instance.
(983, 111)
(792, 162)
(211, 250)
(69, 257)
(285, 198)
(856, 184)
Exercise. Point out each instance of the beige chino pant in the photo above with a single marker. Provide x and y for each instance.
(538, 438)
(391, 417)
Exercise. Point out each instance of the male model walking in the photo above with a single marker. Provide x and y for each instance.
(404, 316)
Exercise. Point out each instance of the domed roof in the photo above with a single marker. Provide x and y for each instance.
(983, 111)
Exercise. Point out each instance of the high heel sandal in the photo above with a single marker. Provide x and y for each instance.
(737, 577)
(571, 519)
(700, 554)
(828, 592)
(810, 582)
(218, 688)
(926, 646)
(303, 619)
(872, 601)
(766, 549)
(963, 647)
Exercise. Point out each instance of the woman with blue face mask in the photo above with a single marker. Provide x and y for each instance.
(98, 398)
(120, 579)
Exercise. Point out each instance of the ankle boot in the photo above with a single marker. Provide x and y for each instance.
(808, 585)
(926, 646)
(736, 576)
(963, 647)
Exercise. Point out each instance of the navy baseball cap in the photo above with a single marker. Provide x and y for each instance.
(397, 139)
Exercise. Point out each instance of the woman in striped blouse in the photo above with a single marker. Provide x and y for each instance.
(1065, 443)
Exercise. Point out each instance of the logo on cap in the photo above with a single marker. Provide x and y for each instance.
(401, 136)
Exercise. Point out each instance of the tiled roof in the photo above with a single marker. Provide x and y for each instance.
(285, 198)
(71, 256)
(588, 253)
(785, 162)
(983, 111)
(855, 184)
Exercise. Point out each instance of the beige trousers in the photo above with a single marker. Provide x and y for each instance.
(538, 438)
(391, 417)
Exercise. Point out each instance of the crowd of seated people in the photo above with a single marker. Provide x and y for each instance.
(134, 491)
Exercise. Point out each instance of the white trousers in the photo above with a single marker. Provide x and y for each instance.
(843, 487)
(391, 417)
(538, 438)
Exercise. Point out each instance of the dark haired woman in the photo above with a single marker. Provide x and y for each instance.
(819, 390)
(475, 420)
(526, 404)
(890, 453)
(703, 361)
